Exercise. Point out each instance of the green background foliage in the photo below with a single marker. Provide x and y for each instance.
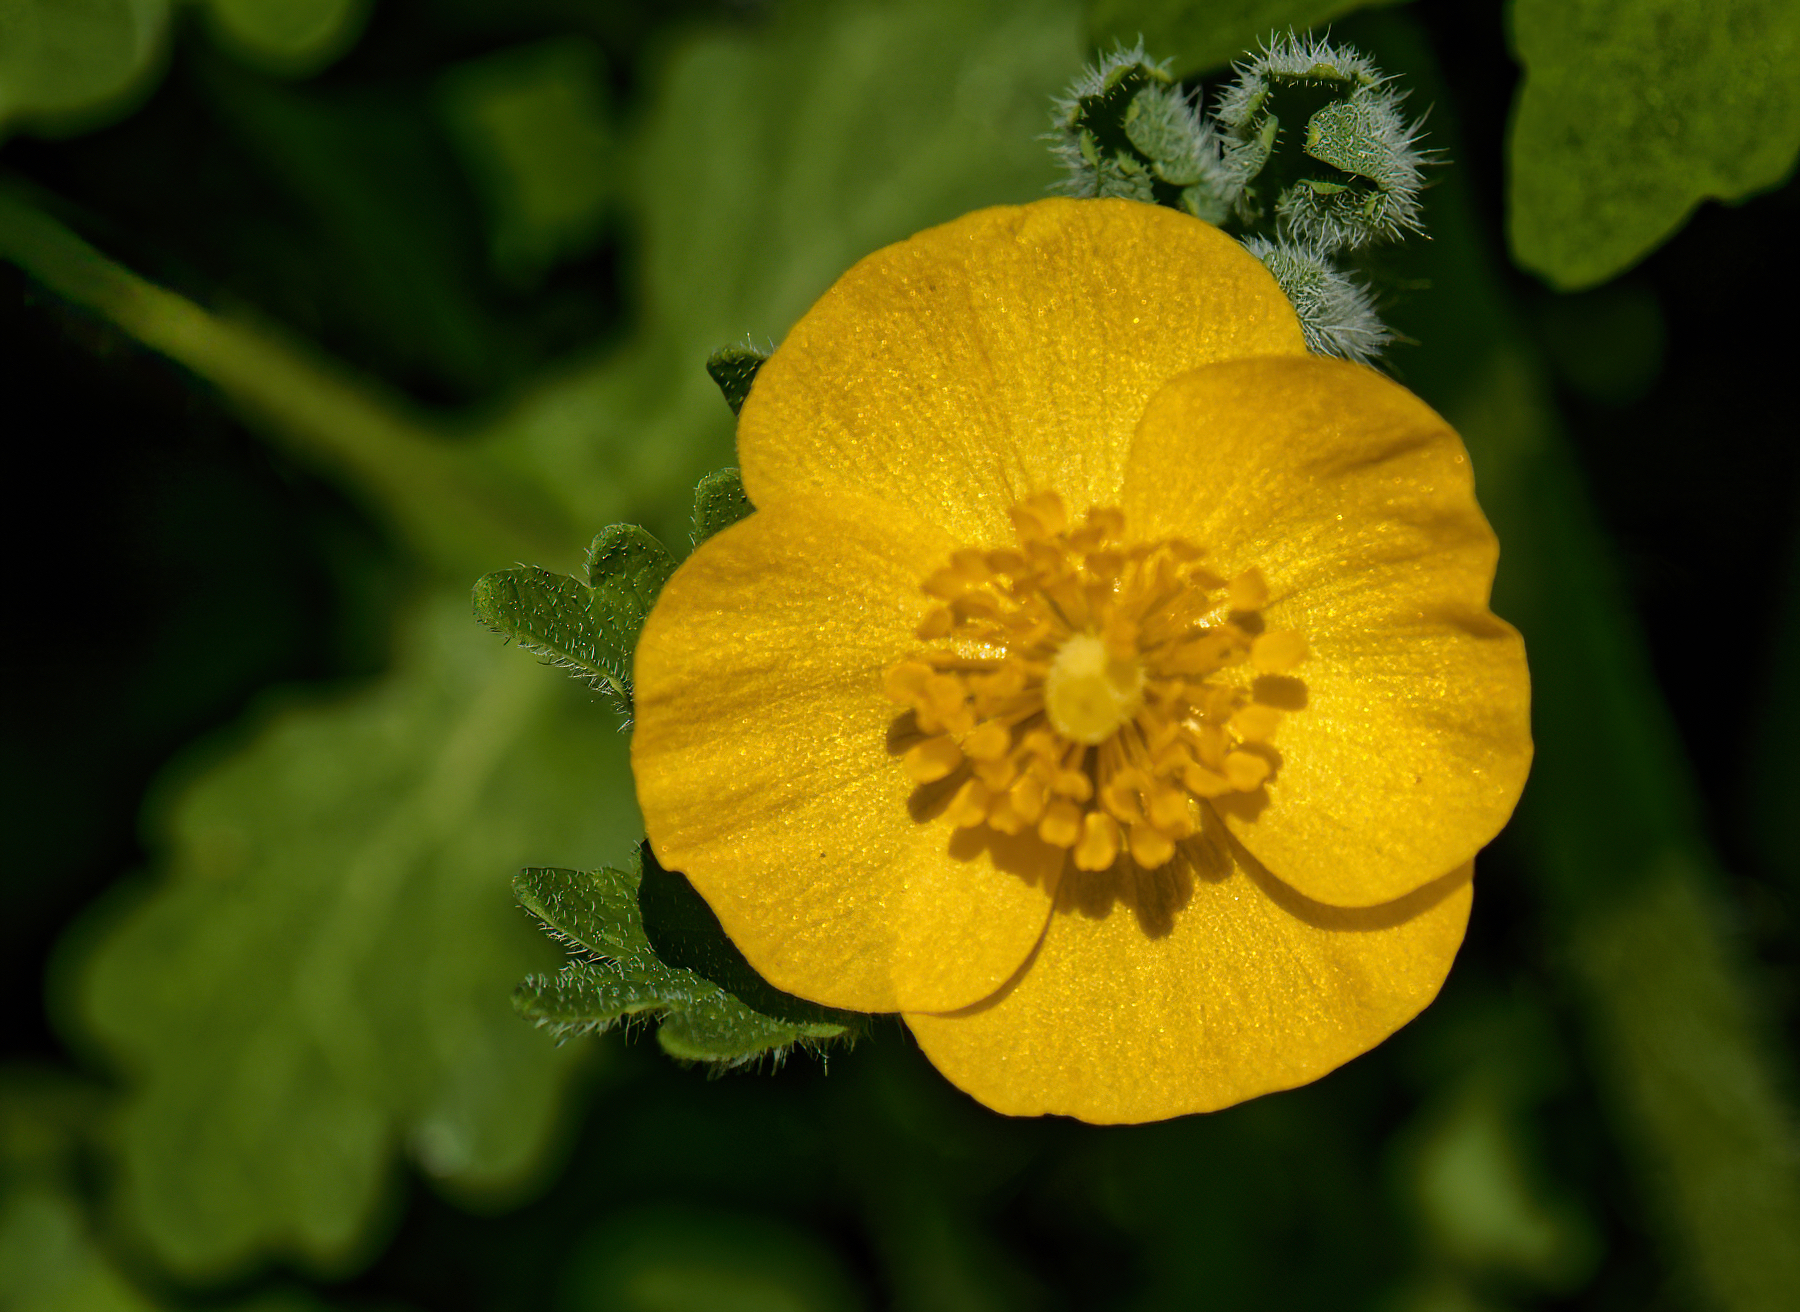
(326, 310)
(1632, 112)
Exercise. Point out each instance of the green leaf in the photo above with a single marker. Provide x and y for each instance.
(68, 66)
(319, 976)
(49, 1260)
(1202, 35)
(734, 368)
(590, 629)
(1634, 111)
(291, 37)
(719, 502)
(707, 1259)
(535, 130)
(648, 945)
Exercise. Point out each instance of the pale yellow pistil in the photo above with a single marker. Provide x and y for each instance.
(1090, 693)
(1072, 685)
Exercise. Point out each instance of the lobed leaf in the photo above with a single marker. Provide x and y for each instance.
(734, 369)
(1632, 112)
(319, 977)
(649, 946)
(719, 502)
(590, 629)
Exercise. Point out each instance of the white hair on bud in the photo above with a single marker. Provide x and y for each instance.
(1337, 312)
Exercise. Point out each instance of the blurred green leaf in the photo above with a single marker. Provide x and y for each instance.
(1201, 35)
(535, 131)
(590, 629)
(67, 64)
(719, 502)
(679, 1259)
(321, 974)
(1632, 112)
(49, 1262)
(292, 37)
(1482, 1203)
(710, 1005)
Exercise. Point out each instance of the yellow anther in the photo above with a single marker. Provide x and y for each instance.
(998, 775)
(1099, 845)
(1201, 782)
(938, 624)
(1256, 723)
(1028, 797)
(1061, 825)
(1072, 783)
(1005, 817)
(1206, 652)
(1277, 653)
(1097, 654)
(1169, 812)
(970, 805)
(1119, 794)
(931, 760)
(1249, 591)
(1246, 770)
(1150, 847)
(989, 742)
(905, 683)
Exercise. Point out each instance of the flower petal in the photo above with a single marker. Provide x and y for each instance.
(1211, 983)
(1356, 502)
(1007, 352)
(766, 774)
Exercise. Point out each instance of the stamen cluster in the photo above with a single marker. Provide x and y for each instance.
(1071, 683)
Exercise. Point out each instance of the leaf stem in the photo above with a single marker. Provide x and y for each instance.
(454, 508)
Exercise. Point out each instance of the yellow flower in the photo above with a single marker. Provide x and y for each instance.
(1102, 681)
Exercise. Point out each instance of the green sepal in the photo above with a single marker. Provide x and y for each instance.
(588, 628)
(719, 502)
(734, 368)
(646, 945)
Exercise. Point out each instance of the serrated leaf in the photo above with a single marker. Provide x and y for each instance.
(320, 974)
(1634, 111)
(648, 945)
(590, 629)
(1202, 35)
(719, 502)
(734, 369)
(627, 568)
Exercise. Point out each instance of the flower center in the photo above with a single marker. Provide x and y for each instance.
(1089, 692)
(1075, 686)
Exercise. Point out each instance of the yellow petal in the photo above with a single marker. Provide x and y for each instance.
(1356, 502)
(1212, 983)
(766, 772)
(1005, 353)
